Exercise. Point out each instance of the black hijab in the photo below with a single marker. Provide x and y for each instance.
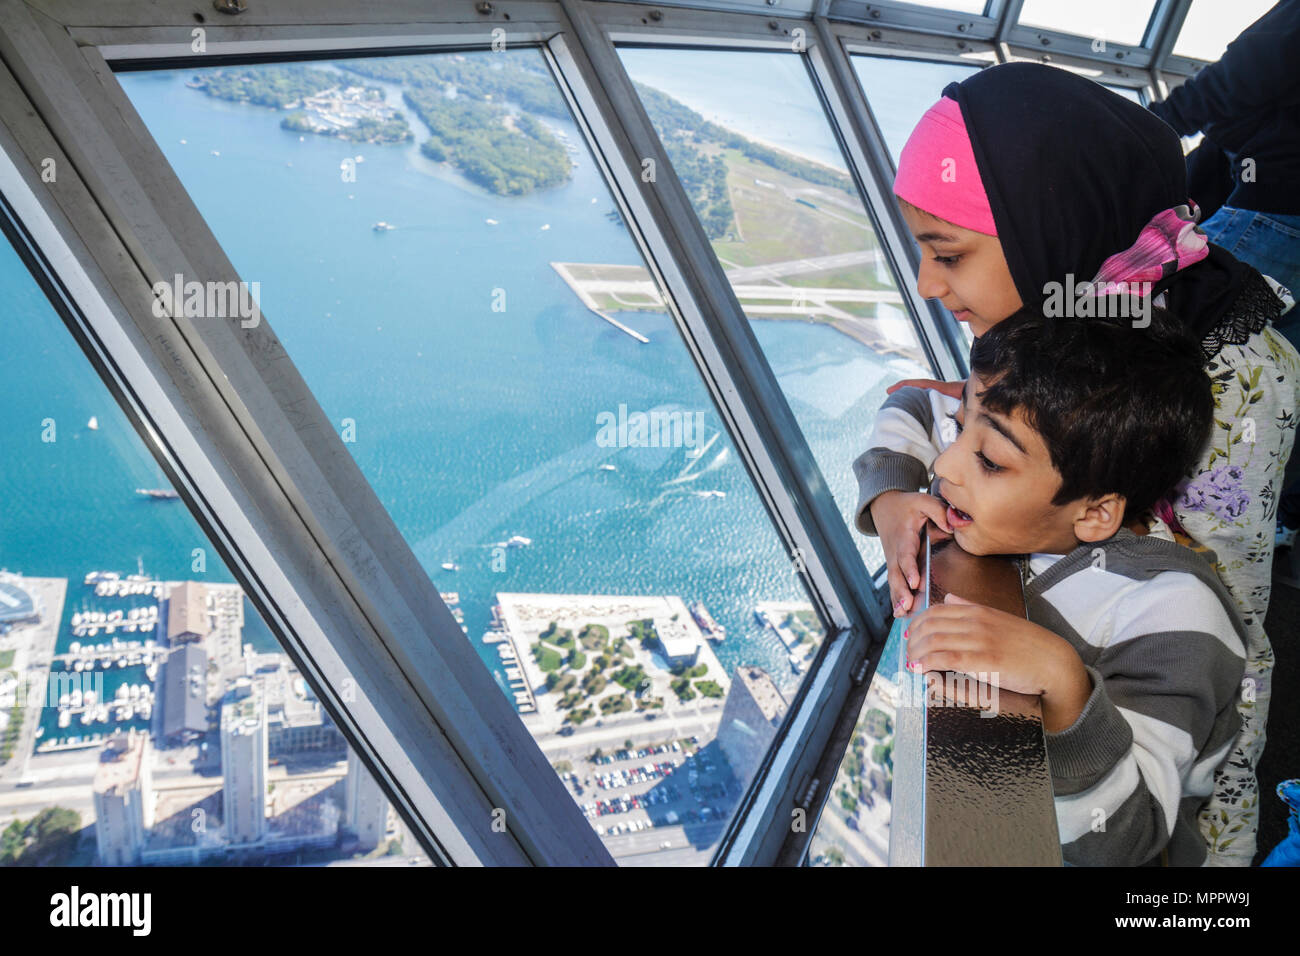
(1073, 172)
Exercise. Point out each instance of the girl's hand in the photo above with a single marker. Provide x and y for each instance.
(899, 517)
(1004, 650)
(951, 389)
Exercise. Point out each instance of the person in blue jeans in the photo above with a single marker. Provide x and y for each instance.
(1248, 106)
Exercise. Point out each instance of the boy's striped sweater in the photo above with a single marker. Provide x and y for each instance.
(1165, 649)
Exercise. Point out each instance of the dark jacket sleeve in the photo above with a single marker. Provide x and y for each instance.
(1257, 73)
(1209, 177)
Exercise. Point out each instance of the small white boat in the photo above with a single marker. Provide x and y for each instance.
(608, 467)
(450, 566)
(519, 541)
(491, 222)
(546, 226)
(93, 424)
(65, 718)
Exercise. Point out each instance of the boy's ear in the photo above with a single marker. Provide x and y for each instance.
(1100, 518)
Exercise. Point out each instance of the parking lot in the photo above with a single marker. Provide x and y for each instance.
(673, 790)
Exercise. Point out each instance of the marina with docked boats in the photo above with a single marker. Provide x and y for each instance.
(97, 670)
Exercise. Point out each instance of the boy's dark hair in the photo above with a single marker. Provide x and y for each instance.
(1121, 409)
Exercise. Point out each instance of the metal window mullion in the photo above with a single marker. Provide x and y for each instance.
(446, 729)
(850, 113)
(296, 17)
(1167, 24)
(1007, 15)
(894, 16)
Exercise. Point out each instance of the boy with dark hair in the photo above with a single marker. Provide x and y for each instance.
(1068, 429)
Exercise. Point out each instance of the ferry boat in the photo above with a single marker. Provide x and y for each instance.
(711, 628)
(161, 493)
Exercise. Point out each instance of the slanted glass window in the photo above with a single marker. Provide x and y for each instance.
(444, 263)
(1127, 92)
(748, 137)
(900, 91)
(1211, 25)
(147, 714)
(854, 826)
(1102, 21)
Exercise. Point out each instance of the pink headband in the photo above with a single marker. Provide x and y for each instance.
(937, 171)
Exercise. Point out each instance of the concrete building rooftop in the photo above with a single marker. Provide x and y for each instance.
(120, 763)
(763, 691)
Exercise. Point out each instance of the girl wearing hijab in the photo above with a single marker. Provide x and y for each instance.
(1023, 182)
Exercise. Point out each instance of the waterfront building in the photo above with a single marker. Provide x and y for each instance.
(16, 606)
(751, 715)
(123, 799)
(184, 694)
(244, 763)
(367, 807)
(187, 613)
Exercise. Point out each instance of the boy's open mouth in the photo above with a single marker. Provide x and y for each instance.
(956, 517)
